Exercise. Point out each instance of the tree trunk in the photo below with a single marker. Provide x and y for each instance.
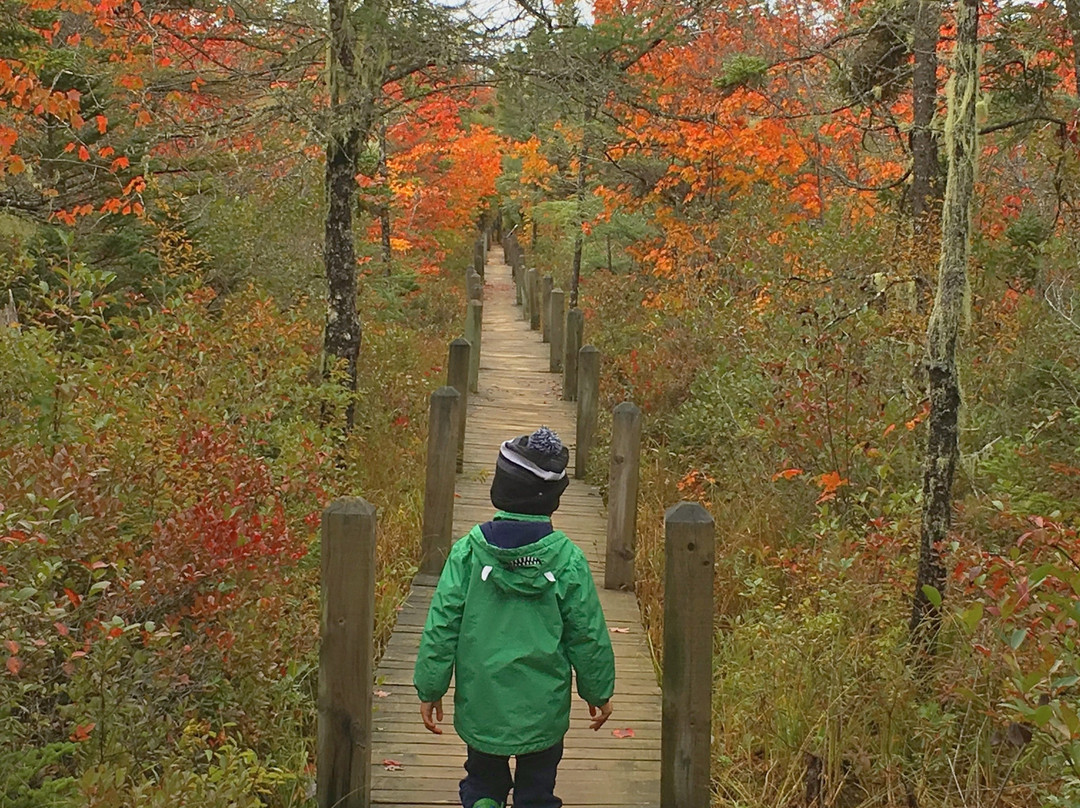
(925, 171)
(579, 237)
(1072, 10)
(384, 208)
(341, 343)
(943, 330)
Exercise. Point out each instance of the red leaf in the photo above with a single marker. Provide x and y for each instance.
(84, 153)
(12, 646)
(623, 733)
(393, 765)
(102, 123)
(382, 694)
(73, 597)
(14, 664)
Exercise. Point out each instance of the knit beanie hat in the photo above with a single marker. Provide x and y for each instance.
(530, 473)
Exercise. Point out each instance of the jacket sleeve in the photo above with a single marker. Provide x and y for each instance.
(438, 643)
(586, 636)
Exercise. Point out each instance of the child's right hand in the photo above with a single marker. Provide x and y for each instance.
(598, 721)
(426, 710)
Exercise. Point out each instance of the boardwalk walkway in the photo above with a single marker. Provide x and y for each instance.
(516, 395)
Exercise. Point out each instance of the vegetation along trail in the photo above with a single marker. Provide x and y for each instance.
(827, 250)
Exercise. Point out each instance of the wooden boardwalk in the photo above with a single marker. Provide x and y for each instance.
(516, 395)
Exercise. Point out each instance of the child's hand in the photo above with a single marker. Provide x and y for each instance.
(426, 710)
(605, 713)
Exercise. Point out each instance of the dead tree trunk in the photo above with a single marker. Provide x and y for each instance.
(384, 208)
(925, 171)
(943, 331)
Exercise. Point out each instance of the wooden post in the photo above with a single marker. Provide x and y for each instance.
(457, 376)
(622, 496)
(474, 285)
(686, 723)
(587, 406)
(532, 289)
(558, 329)
(523, 286)
(474, 327)
(575, 329)
(478, 255)
(438, 521)
(547, 283)
(345, 654)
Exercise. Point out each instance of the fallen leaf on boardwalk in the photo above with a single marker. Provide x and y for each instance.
(382, 694)
(623, 733)
(393, 765)
(617, 630)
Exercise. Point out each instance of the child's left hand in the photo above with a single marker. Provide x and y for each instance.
(426, 710)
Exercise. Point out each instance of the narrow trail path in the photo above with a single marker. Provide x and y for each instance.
(516, 395)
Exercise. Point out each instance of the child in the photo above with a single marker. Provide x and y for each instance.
(515, 609)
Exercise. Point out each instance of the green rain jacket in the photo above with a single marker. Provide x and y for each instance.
(512, 623)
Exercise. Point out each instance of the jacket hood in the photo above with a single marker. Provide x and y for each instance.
(527, 571)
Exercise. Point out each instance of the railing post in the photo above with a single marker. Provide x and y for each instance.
(547, 283)
(346, 631)
(575, 330)
(587, 406)
(523, 286)
(438, 524)
(558, 329)
(474, 285)
(686, 722)
(532, 289)
(478, 255)
(622, 496)
(457, 376)
(474, 328)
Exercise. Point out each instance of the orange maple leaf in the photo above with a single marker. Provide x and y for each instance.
(829, 483)
(786, 474)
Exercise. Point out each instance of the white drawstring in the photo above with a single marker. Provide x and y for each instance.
(549, 576)
(484, 573)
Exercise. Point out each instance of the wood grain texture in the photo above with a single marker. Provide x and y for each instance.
(688, 619)
(622, 496)
(345, 653)
(517, 393)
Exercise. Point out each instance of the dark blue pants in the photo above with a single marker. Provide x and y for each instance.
(533, 782)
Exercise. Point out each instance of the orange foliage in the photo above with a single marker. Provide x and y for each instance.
(441, 171)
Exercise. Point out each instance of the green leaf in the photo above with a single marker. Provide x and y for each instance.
(932, 595)
(100, 586)
(1040, 575)
(972, 615)
(1017, 637)
(1064, 681)
(1042, 715)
